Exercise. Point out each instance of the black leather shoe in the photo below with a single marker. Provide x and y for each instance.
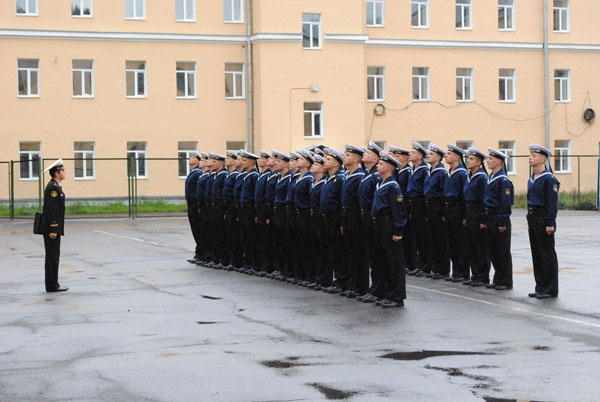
(542, 296)
(477, 284)
(491, 286)
(344, 293)
(392, 304)
(352, 295)
(192, 260)
(369, 299)
(218, 266)
(456, 280)
(448, 278)
(311, 285)
(59, 289)
(503, 287)
(429, 275)
(379, 302)
(534, 294)
(437, 276)
(421, 274)
(362, 297)
(318, 287)
(467, 282)
(199, 262)
(413, 272)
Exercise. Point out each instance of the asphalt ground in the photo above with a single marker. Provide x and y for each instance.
(139, 323)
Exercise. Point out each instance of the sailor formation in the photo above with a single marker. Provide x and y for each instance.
(355, 223)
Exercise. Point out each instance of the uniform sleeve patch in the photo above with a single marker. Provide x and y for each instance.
(507, 191)
(555, 188)
(399, 198)
(54, 193)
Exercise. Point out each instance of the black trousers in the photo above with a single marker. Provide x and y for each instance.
(543, 254)
(52, 247)
(456, 239)
(392, 259)
(249, 234)
(220, 235)
(354, 250)
(292, 235)
(437, 250)
(209, 237)
(203, 224)
(194, 219)
(369, 258)
(303, 244)
(479, 256)
(282, 240)
(263, 238)
(332, 250)
(409, 240)
(237, 240)
(499, 246)
(316, 245)
(418, 231)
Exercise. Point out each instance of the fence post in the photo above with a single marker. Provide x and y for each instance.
(598, 179)
(11, 190)
(578, 177)
(40, 183)
(128, 186)
(135, 177)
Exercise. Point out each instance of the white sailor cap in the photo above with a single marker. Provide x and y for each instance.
(457, 150)
(281, 155)
(56, 164)
(540, 150)
(374, 147)
(319, 151)
(307, 155)
(396, 150)
(384, 156)
(319, 159)
(420, 148)
(475, 152)
(497, 154)
(232, 154)
(264, 154)
(216, 157)
(437, 150)
(196, 155)
(248, 155)
(204, 155)
(335, 154)
(294, 155)
(355, 150)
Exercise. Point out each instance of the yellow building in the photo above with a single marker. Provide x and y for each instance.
(90, 79)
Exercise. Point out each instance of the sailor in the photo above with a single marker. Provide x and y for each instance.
(210, 210)
(316, 221)
(270, 218)
(474, 219)
(403, 173)
(302, 204)
(191, 183)
(389, 216)
(498, 200)
(438, 265)
(416, 202)
(218, 230)
(237, 196)
(542, 208)
(229, 213)
(248, 217)
(283, 241)
(263, 241)
(292, 218)
(203, 209)
(454, 212)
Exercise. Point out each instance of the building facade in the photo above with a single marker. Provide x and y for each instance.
(90, 81)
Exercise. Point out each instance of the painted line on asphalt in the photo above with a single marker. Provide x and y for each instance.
(520, 310)
(142, 240)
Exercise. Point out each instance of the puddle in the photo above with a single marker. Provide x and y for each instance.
(146, 334)
(543, 348)
(425, 354)
(332, 393)
(91, 277)
(211, 297)
(279, 364)
(456, 372)
(205, 322)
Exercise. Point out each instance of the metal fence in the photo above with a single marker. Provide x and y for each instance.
(134, 179)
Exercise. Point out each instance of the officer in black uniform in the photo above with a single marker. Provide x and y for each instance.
(53, 224)
(542, 207)
(191, 183)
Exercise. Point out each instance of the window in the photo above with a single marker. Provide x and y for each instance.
(27, 7)
(464, 144)
(138, 151)
(235, 145)
(81, 8)
(463, 14)
(562, 151)
(561, 15)
(420, 14)
(233, 11)
(420, 80)
(185, 10)
(83, 78)
(234, 80)
(313, 119)
(29, 160)
(508, 148)
(135, 79)
(186, 79)
(28, 72)
(375, 83)
(135, 9)
(184, 150)
(506, 15)
(375, 13)
(562, 85)
(381, 144)
(85, 164)
(311, 31)
(507, 88)
(464, 84)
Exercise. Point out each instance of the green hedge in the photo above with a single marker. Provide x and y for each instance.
(566, 200)
(93, 209)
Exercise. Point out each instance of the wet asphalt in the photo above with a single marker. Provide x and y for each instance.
(139, 323)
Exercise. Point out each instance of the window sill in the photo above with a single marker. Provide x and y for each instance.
(464, 101)
(312, 48)
(236, 98)
(561, 32)
(464, 29)
(506, 29)
(135, 18)
(31, 179)
(83, 97)
(507, 101)
(187, 97)
(233, 22)
(562, 172)
(562, 101)
(375, 100)
(28, 96)
(420, 27)
(136, 97)
(314, 137)
(84, 178)
(82, 16)
(420, 100)
(375, 26)
(511, 173)
(27, 15)
(194, 20)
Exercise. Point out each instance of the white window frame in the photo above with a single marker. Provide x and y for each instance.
(311, 24)
(313, 113)
(231, 4)
(464, 144)
(469, 8)
(137, 153)
(186, 74)
(562, 152)
(186, 18)
(188, 153)
(373, 79)
(375, 6)
(505, 8)
(562, 81)
(510, 152)
(86, 154)
(28, 12)
(30, 71)
(83, 72)
(507, 82)
(136, 72)
(81, 15)
(421, 78)
(30, 155)
(234, 80)
(463, 79)
(423, 7)
(134, 3)
(563, 14)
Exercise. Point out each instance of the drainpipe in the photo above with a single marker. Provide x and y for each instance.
(546, 77)
(249, 79)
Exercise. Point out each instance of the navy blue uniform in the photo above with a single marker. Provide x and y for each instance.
(454, 213)
(331, 209)
(202, 214)
(263, 243)
(230, 216)
(389, 215)
(219, 234)
(316, 230)
(283, 237)
(292, 227)
(248, 217)
(302, 208)
(238, 228)
(53, 222)
(191, 184)
(479, 257)
(366, 192)
(542, 207)
(403, 175)
(210, 214)
(350, 274)
(416, 208)
(438, 263)
(498, 200)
